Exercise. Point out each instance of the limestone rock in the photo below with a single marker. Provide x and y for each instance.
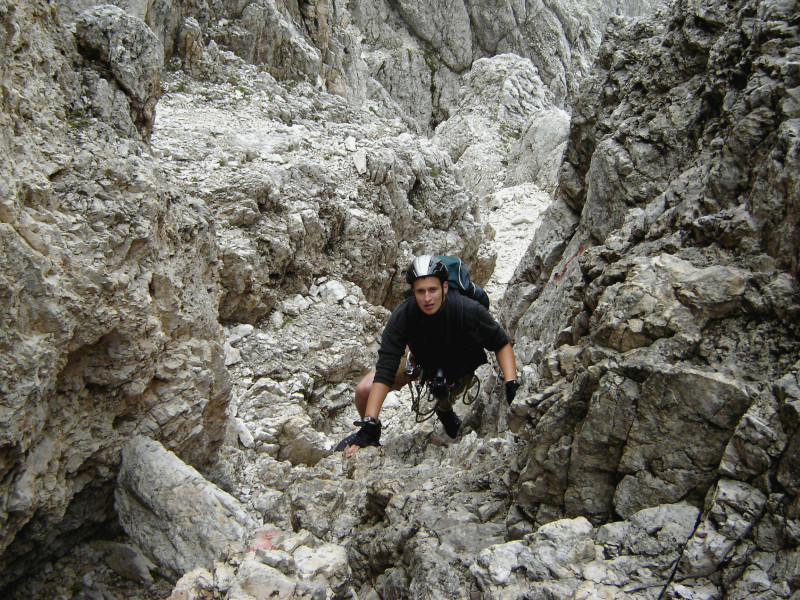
(559, 38)
(445, 25)
(133, 53)
(405, 56)
(506, 115)
(265, 33)
(197, 584)
(178, 518)
(223, 289)
(127, 561)
(278, 565)
(293, 205)
(734, 508)
(638, 301)
(98, 344)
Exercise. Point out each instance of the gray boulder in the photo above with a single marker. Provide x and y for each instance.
(177, 517)
(133, 53)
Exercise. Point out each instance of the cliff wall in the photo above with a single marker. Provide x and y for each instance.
(207, 209)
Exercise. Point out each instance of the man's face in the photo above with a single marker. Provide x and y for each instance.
(429, 293)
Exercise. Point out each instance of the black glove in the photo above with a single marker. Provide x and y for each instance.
(511, 390)
(368, 435)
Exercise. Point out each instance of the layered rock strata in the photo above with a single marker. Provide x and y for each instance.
(653, 449)
(657, 305)
(109, 289)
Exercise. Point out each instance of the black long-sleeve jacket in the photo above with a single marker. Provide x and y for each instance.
(454, 339)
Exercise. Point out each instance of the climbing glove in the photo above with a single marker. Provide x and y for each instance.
(368, 435)
(511, 390)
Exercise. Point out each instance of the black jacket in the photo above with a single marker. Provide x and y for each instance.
(454, 339)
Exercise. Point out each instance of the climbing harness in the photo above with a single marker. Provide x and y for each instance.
(426, 393)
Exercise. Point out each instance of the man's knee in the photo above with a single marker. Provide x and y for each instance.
(364, 386)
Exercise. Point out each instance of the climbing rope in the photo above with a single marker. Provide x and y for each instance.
(423, 401)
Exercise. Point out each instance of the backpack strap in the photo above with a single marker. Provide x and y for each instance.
(455, 316)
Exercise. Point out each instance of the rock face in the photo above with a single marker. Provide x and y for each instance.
(297, 200)
(441, 40)
(406, 57)
(132, 52)
(181, 497)
(507, 130)
(97, 341)
(660, 376)
(193, 292)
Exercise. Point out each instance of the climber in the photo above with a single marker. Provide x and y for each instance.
(446, 334)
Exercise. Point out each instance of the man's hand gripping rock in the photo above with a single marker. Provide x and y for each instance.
(368, 435)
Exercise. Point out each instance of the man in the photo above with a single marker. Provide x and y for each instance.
(446, 333)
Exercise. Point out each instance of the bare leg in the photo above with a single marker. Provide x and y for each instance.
(362, 392)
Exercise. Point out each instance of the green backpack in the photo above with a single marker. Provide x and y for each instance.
(458, 277)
